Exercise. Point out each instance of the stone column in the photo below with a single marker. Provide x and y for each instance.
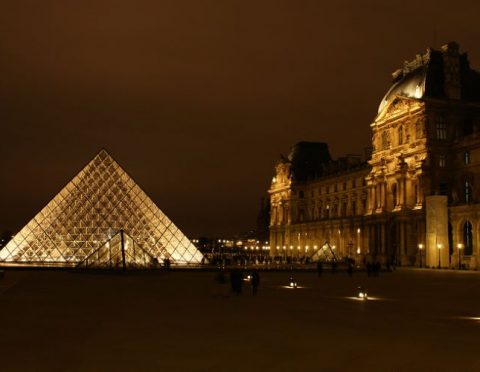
(384, 199)
(419, 190)
(383, 242)
(402, 246)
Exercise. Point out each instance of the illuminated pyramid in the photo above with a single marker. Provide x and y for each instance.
(89, 213)
(119, 252)
(324, 254)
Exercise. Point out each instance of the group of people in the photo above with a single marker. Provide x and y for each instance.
(373, 268)
(237, 280)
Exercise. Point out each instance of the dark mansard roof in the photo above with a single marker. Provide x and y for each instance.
(425, 77)
(312, 160)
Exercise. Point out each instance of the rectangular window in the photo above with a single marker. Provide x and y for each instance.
(344, 209)
(468, 192)
(442, 161)
(418, 129)
(441, 128)
(354, 207)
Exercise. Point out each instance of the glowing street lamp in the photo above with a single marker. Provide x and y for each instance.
(420, 250)
(439, 247)
(460, 247)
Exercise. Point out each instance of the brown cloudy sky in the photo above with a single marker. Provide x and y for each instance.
(197, 99)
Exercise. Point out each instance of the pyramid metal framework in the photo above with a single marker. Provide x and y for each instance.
(99, 202)
(120, 252)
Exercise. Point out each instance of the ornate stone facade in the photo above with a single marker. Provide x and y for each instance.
(425, 142)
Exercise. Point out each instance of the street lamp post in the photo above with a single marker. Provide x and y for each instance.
(459, 246)
(439, 247)
(420, 249)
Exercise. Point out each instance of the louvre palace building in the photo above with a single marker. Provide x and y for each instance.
(416, 199)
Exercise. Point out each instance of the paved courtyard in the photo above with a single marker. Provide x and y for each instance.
(186, 321)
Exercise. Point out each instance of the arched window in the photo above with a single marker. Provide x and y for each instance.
(400, 135)
(467, 238)
(466, 157)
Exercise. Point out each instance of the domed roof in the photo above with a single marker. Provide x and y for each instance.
(411, 85)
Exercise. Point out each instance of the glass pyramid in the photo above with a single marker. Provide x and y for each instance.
(324, 254)
(119, 252)
(89, 211)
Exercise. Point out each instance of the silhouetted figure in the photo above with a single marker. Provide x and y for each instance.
(319, 268)
(239, 281)
(350, 269)
(369, 269)
(233, 280)
(166, 263)
(220, 277)
(334, 266)
(377, 267)
(255, 282)
(236, 281)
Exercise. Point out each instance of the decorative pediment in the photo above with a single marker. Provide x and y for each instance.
(398, 105)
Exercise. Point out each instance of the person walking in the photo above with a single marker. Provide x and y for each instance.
(319, 268)
(255, 282)
(350, 269)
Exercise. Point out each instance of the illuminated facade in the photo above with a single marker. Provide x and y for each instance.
(101, 218)
(414, 202)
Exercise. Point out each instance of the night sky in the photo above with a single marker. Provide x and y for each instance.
(197, 99)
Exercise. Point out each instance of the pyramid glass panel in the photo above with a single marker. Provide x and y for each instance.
(120, 252)
(98, 203)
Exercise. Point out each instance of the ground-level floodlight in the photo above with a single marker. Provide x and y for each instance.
(362, 293)
(292, 283)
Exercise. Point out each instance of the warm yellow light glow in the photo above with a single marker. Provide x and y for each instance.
(439, 246)
(358, 250)
(459, 245)
(358, 231)
(420, 246)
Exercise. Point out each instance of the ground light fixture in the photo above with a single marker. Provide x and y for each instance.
(362, 293)
(292, 283)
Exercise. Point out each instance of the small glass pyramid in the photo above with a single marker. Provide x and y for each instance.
(99, 202)
(325, 254)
